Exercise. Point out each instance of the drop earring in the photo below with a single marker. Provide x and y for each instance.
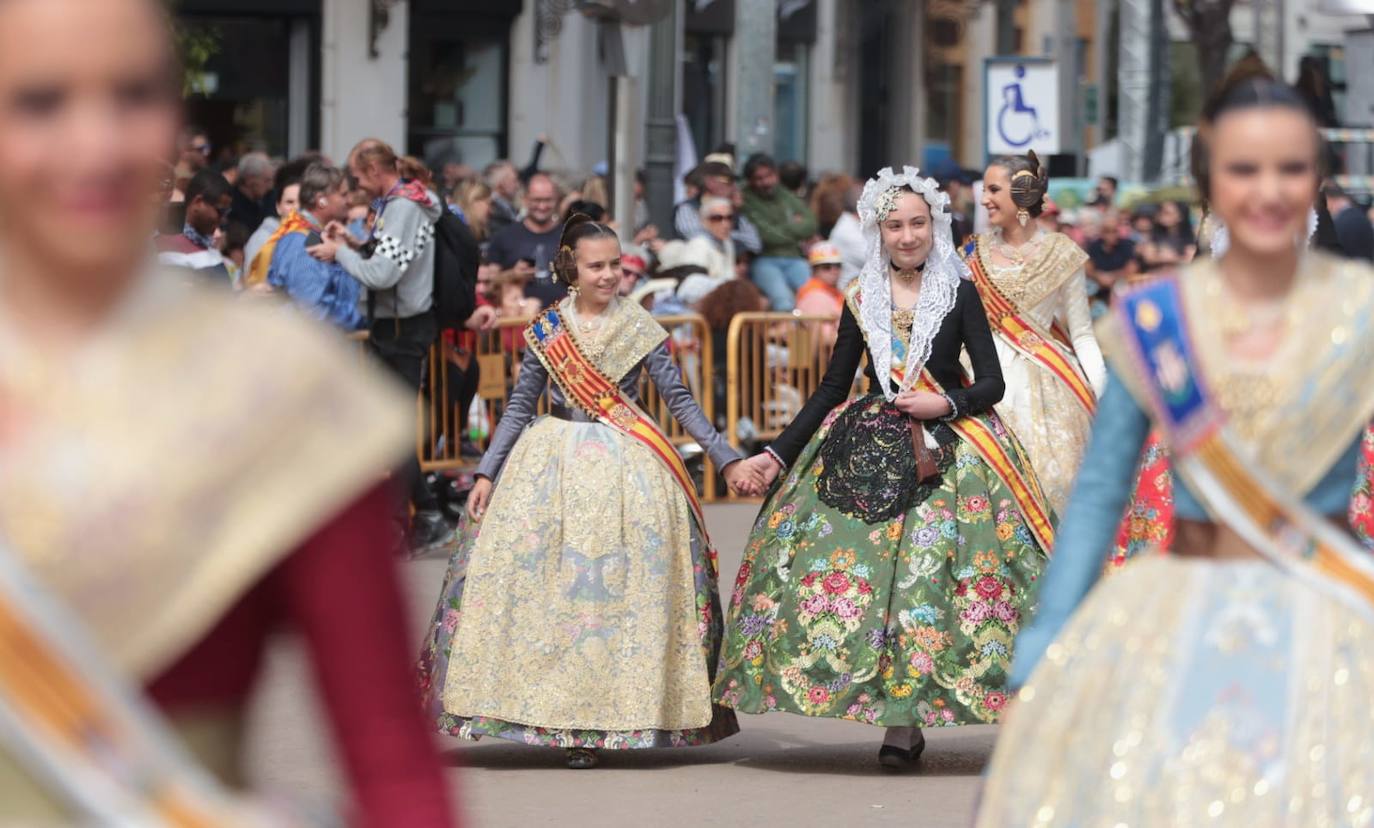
(1023, 216)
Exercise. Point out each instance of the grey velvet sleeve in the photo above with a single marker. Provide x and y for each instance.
(665, 374)
(521, 408)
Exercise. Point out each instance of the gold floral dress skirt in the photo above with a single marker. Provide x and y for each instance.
(1190, 691)
(1048, 419)
(583, 610)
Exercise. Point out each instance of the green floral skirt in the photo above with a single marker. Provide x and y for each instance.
(908, 620)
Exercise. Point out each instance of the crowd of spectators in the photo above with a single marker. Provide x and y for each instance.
(354, 245)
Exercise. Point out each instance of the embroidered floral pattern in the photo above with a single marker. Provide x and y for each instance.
(1361, 514)
(578, 627)
(904, 621)
(1149, 519)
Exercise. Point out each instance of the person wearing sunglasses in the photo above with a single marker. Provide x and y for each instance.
(634, 266)
(208, 198)
(194, 148)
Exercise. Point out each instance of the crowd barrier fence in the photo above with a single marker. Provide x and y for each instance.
(774, 363)
(442, 426)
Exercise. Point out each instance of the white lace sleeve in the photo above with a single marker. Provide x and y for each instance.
(1077, 318)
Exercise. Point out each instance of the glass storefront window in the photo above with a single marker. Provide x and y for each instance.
(703, 89)
(243, 99)
(791, 76)
(457, 105)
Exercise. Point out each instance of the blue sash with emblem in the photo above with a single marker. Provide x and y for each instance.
(1154, 324)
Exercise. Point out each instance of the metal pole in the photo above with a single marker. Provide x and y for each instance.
(1157, 119)
(756, 32)
(1102, 27)
(624, 164)
(1066, 57)
(1133, 87)
(1006, 27)
(661, 122)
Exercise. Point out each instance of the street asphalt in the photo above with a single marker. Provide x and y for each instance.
(780, 770)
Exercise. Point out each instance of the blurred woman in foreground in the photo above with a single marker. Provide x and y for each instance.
(1229, 681)
(180, 471)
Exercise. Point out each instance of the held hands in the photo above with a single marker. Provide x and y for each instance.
(922, 405)
(755, 475)
(479, 497)
(743, 479)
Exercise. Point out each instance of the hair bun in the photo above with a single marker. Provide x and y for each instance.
(578, 226)
(1028, 187)
(1248, 71)
(1249, 84)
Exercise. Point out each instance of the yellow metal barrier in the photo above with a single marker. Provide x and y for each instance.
(775, 361)
(692, 351)
(441, 426)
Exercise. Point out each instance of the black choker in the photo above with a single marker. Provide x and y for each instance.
(908, 274)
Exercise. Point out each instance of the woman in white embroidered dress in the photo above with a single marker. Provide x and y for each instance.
(1034, 290)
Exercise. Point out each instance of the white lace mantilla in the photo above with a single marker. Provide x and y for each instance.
(939, 282)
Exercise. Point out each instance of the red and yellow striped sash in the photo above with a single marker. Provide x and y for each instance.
(73, 720)
(262, 262)
(1024, 488)
(1160, 352)
(589, 389)
(1045, 347)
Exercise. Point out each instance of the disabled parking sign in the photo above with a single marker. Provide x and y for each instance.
(1021, 105)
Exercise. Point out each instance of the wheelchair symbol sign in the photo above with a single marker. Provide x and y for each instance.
(1022, 111)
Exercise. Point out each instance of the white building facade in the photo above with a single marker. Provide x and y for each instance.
(476, 80)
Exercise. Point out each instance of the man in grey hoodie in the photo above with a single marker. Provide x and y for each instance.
(396, 266)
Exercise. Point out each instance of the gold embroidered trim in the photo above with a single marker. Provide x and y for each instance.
(150, 493)
(1314, 395)
(625, 339)
(1057, 259)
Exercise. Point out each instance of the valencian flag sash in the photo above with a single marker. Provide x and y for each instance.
(257, 269)
(1049, 348)
(589, 389)
(87, 737)
(976, 431)
(1235, 492)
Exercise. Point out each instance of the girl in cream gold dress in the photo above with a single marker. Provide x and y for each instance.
(580, 609)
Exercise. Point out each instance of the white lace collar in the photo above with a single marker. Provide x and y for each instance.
(939, 282)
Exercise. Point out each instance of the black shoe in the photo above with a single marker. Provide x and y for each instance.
(428, 531)
(582, 758)
(452, 500)
(894, 758)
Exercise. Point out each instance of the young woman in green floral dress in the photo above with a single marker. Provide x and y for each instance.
(891, 569)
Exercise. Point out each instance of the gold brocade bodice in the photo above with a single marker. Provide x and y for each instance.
(902, 319)
(1298, 409)
(1053, 259)
(152, 475)
(626, 334)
